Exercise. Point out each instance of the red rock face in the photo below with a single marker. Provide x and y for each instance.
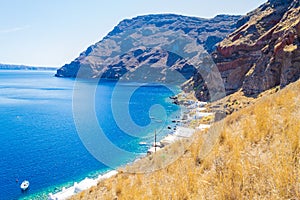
(264, 51)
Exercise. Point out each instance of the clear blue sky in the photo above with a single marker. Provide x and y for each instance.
(54, 32)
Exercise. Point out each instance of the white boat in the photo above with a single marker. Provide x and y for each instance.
(143, 143)
(24, 185)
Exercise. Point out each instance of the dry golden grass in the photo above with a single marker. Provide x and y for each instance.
(238, 101)
(290, 48)
(252, 154)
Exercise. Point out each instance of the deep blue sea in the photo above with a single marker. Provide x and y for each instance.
(38, 136)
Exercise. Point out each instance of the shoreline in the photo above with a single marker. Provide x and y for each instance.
(85, 184)
(191, 110)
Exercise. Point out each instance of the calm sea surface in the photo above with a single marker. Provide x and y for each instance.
(38, 137)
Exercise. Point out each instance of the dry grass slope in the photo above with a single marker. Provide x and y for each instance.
(257, 156)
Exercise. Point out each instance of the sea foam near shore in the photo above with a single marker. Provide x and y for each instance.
(78, 187)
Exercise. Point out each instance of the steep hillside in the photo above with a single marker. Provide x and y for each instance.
(262, 53)
(253, 154)
(157, 43)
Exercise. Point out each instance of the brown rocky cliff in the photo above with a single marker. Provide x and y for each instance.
(151, 44)
(262, 53)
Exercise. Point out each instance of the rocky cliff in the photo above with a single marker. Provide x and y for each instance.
(262, 53)
(146, 47)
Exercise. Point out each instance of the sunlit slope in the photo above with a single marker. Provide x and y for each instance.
(256, 156)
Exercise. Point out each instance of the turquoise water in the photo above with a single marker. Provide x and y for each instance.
(38, 136)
